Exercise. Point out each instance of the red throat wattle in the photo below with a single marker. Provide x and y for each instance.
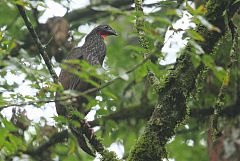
(103, 35)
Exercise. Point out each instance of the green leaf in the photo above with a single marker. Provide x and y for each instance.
(171, 12)
(109, 94)
(135, 48)
(235, 2)
(208, 61)
(61, 149)
(196, 60)
(163, 20)
(195, 35)
(197, 47)
(78, 114)
(75, 123)
(70, 158)
(220, 73)
(16, 142)
(102, 111)
(60, 119)
(9, 125)
(208, 24)
(3, 134)
(190, 9)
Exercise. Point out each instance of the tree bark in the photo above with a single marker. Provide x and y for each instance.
(171, 108)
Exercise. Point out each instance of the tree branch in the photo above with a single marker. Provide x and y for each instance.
(171, 108)
(89, 14)
(130, 113)
(221, 95)
(56, 138)
(37, 41)
(93, 140)
(144, 112)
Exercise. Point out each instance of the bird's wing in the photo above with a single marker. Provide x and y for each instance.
(75, 82)
(71, 81)
(67, 79)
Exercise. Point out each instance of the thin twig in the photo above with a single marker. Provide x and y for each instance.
(79, 93)
(56, 138)
(38, 43)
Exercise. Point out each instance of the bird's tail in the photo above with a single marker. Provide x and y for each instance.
(81, 140)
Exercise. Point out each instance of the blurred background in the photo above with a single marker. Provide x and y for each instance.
(120, 111)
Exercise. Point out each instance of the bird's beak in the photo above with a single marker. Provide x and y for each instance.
(112, 32)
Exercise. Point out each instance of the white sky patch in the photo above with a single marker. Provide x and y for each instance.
(168, 159)
(174, 41)
(56, 9)
(203, 142)
(117, 147)
(24, 89)
(33, 113)
(53, 9)
(76, 4)
(12, 78)
(190, 142)
(172, 139)
(90, 116)
(151, 9)
(86, 28)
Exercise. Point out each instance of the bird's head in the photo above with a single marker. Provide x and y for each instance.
(104, 31)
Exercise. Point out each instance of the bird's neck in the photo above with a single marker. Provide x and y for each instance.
(95, 46)
(94, 40)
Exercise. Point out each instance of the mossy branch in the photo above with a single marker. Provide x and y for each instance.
(140, 24)
(171, 108)
(221, 95)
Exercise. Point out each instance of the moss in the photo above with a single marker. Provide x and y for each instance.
(171, 109)
(153, 80)
(109, 156)
(215, 9)
(140, 24)
(146, 150)
(166, 117)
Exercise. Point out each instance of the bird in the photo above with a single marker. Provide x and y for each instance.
(93, 51)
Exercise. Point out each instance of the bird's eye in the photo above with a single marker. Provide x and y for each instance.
(106, 27)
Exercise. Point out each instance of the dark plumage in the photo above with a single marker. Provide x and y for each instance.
(93, 51)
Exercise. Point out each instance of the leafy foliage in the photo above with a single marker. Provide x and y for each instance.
(123, 107)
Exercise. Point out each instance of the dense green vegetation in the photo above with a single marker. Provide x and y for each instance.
(186, 109)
